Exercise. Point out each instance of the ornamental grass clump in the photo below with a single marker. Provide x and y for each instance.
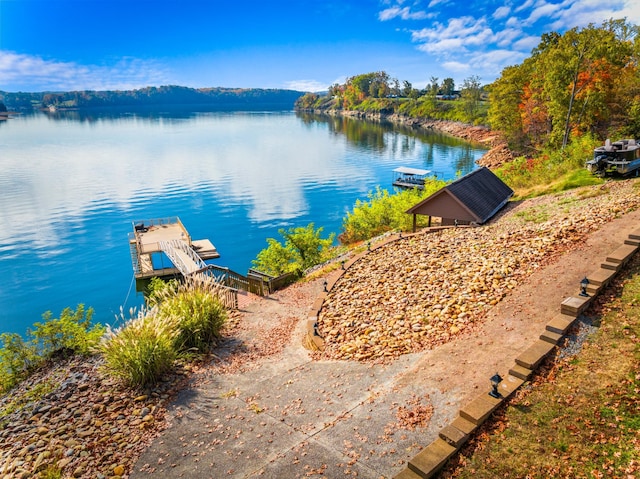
(143, 350)
(196, 309)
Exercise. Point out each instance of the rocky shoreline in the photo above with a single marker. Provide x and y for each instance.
(498, 154)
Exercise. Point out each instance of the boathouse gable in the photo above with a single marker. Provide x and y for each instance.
(474, 198)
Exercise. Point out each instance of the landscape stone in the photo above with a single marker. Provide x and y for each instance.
(560, 323)
(575, 305)
(534, 354)
(480, 409)
(429, 461)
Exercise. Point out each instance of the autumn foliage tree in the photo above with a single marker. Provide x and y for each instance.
(584, 81)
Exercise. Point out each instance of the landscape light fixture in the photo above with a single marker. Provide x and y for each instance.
(342, 264)
(325, 285)
(583, 287)
(495, 381)
(368, 245)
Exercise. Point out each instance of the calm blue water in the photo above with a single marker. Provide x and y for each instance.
(71, 186)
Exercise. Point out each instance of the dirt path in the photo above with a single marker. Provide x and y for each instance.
(267, 409)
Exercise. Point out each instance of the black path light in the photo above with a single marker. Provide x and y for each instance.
(368, 245)
(496, 379)
(342, 264)
(325, 285)
(583, 287)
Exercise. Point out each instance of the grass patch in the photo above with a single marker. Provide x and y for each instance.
(568, 181)
(582, 419)
(534, 215)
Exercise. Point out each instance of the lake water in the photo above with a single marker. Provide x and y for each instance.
(71, 186)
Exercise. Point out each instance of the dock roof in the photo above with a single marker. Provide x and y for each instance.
(411, 171)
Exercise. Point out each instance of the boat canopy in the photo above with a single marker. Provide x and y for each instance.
(405, 170)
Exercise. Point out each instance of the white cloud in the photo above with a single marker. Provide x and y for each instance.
(525, 5)
(404, 13)
(306, 85)
(527, 43)
(447, 45)
(542, 11)
(434, 3)
(39, 74)
(458, 34)
(457, 67)
(501, 12)
(582, 12)
(507, 37)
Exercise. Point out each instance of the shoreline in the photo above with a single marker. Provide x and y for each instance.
(498, 150)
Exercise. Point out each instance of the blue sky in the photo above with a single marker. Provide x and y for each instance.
(306, 45)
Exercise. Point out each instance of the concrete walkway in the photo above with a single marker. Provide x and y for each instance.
(295, 417)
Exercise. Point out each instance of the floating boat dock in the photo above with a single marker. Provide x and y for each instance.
(153, 241)
(405, 177)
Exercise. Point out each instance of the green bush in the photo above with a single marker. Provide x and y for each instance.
(302, 248)
(71, 333)
(552, 170)
(183, 317)
(17, 359)
(384, 212)
(142, 350)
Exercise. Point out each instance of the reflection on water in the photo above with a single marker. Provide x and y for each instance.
(72, 183)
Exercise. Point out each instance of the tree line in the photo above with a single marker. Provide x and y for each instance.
(378, 92)
(583, 82)
(149, 97)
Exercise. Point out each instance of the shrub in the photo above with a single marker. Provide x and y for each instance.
(552, 170)
(182, 317)
(71, 333)
(384, 212)
(17, 359)
(302, 248)
(196, 310)
(195, 306)
(142, 350)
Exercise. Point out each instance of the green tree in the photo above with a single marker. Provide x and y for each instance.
(302, 248)
(505, 97)
(407, 88)
(448, 86)
(471, 97)
(433, 87)
(307, 101)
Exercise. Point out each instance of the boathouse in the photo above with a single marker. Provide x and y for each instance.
(472, 199)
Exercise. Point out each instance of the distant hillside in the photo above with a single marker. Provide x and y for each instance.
(153, 97)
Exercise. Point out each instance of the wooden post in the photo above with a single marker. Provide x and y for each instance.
(415, 220)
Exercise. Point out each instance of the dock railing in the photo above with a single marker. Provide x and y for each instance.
(235, 280)
(274, 282)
